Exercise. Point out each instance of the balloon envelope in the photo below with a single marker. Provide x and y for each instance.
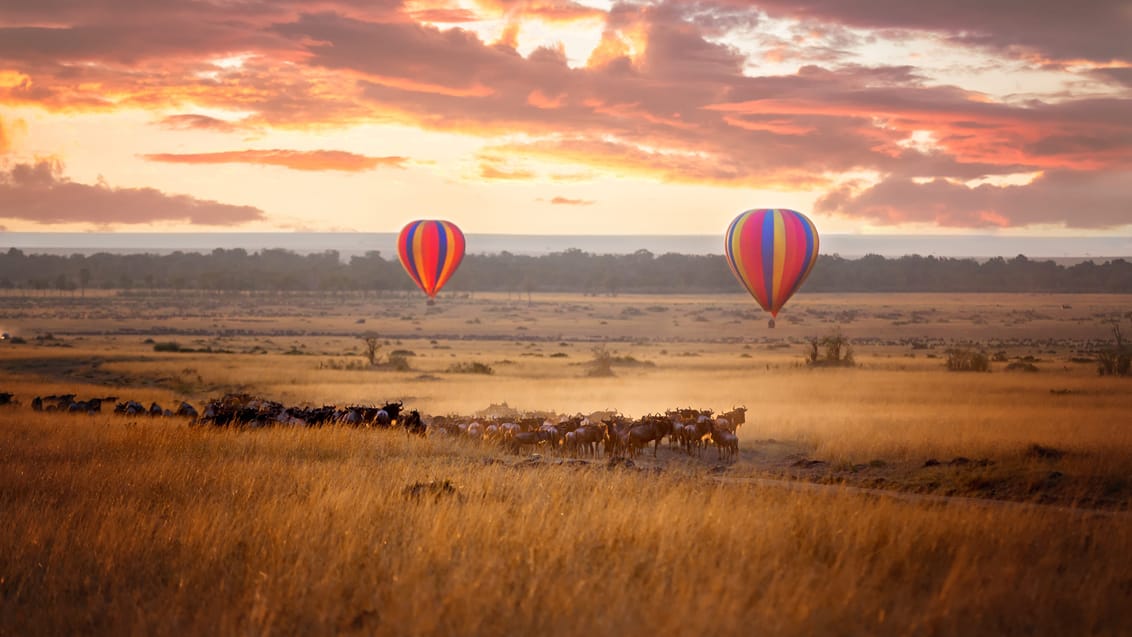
(430, 252)
(771, 251)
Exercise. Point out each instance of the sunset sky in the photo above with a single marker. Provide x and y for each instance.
(587, 117)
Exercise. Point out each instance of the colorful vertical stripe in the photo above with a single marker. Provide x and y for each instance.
(430, 252)
(771, 251)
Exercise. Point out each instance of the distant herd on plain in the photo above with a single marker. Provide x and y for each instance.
(603, 432)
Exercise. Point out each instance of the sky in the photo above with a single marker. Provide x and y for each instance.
(1010, 117)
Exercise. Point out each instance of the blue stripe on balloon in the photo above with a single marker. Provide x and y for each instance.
(441, 249)
(808, 232)
(410, 258)
(768, 255)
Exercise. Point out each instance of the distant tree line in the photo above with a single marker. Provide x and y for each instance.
(568, 271)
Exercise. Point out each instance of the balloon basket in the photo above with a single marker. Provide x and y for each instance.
(770, 324)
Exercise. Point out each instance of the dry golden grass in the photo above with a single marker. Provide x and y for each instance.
(116, 527)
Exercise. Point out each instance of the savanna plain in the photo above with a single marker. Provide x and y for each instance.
(892, 496)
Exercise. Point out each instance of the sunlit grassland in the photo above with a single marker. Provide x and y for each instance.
(116, 525)
(887, 407)
(144, 527)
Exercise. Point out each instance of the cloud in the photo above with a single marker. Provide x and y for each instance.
(491, 171)
(190, 121)
(555, 11)
(5, 143)
(1076, 199)
(40, 193)
(313, 160)
(564, 201)
(665, 96)
(1095, 30)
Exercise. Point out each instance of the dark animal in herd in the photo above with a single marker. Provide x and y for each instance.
(690, 429)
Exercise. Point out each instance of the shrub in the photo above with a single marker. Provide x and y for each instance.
(474, 367)
(398, 363)
(832, 350)
(601, 365)
(167, 346)
(966, 360)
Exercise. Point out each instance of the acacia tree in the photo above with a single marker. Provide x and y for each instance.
(372, 349)
(1117, 359)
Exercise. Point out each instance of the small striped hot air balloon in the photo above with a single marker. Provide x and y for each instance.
(771, 251)
(430, 251)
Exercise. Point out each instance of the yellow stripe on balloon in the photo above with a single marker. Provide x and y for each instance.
(449, 252)
(814, 253)
(418, 250)
(736, 253)
(779, 259)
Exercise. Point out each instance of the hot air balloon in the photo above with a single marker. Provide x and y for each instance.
(430, 252)
(771, 251)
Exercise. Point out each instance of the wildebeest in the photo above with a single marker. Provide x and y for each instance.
(388, 414)
(92, 406)
(726, 443)
(649, 429)
(186, 410)
(731, 420)
(129, 408)
(413, 423)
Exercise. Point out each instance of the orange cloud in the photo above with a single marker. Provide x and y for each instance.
(537, 99)
(487, 171)
(190, 121)
(5, 144)
(443, 15)
(313, 160)
(664, 96)
(623, 158)
(548, 11)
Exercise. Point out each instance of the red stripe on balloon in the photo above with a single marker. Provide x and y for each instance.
(750, 243)
(426, 260)
(795, 257)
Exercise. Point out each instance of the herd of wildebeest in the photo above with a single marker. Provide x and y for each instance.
(608, 432)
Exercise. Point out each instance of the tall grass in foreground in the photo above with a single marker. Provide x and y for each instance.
(113, 527)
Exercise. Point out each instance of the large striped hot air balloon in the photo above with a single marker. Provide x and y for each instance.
(430, 252)
(771, 251)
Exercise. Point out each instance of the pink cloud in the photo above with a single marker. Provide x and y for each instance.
(1092, 200)
(665, 98)
(565, 201)
(40, 193)
(1096, 30)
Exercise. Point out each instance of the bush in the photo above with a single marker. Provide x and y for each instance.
(474, 367)
(1117, 359)
(832, 350)
(966, 360)
(601, 365)
(167, 346)
(398, 363)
